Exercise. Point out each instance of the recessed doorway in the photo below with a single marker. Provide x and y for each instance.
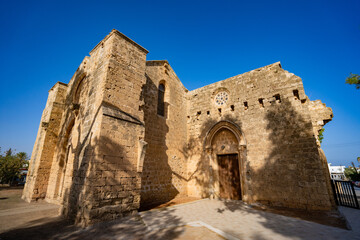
(229, 176)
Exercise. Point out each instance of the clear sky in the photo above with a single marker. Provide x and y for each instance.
(43, 42)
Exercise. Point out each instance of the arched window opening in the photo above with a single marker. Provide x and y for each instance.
(161, 100)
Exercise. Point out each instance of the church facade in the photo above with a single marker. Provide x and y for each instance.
(125, 134)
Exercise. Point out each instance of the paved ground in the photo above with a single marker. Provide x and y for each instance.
(243, 222)
(204, 219)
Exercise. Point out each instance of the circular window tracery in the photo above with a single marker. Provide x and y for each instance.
(221, 98)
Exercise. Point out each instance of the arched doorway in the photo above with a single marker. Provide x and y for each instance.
(226, 149)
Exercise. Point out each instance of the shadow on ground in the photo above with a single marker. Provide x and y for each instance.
(330, 218)
(32, 224)
(126, 228)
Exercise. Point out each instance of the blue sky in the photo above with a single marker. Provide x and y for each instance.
(43, 42)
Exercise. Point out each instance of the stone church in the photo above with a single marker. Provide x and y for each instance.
(125, 134)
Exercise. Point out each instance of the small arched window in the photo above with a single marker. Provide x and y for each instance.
(161, 102)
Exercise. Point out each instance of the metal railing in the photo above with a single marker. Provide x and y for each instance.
(345, 193)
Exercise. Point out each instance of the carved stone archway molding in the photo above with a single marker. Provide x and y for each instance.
(235, 129)
(211, 157)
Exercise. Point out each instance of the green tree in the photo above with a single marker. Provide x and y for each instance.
(321, 135)
(10, 165)
(353, 79)
(352, 173)
(8, 152)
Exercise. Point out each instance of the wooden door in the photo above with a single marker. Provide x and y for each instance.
(229, 176)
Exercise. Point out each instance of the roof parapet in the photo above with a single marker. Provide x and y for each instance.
(114, 31)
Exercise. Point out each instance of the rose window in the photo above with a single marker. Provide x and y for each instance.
(221, 98)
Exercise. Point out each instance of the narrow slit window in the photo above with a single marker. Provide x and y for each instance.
(219, 110)
(208, 112)
(246, 106)
(161, 100)
(296, 94)
(261, 102)
(232, 107)
(277, 98)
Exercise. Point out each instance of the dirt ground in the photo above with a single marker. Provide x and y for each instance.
(10, 197)
(16, 213)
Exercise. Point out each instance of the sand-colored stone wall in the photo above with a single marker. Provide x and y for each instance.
(75, 155)
(117, 185)
(269, 106)
(164, 175)
(44, 147)
(320, 115)
(103, 93)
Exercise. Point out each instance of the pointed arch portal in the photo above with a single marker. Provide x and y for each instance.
(225, 147)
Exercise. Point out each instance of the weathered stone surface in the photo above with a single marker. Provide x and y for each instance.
(103, 150)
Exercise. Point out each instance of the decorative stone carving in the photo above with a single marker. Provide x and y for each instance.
(221, 98)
